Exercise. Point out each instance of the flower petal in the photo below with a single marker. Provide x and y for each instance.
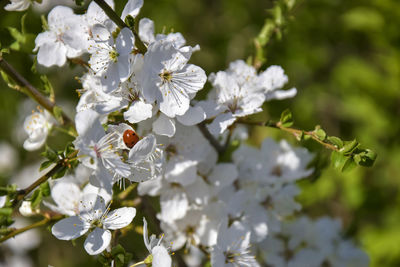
(70, 228)
(119, 218)
(97, 241)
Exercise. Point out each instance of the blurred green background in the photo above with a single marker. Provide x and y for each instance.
(342, 56)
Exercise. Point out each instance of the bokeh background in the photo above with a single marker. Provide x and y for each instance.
(342, 56)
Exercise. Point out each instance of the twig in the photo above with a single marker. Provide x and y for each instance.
(296, 132)
(34, 225)
(120, 23)
(24, 192)
(214, 142)
(32, 91)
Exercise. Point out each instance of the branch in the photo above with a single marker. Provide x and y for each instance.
(43, 222)
(32, 91)
(214, 142)
(21, 194)
(296, 132)
(121, 24)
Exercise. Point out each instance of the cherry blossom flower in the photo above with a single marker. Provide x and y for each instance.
(94, 216)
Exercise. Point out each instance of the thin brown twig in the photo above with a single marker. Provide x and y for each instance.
(121, 24)
(43, 222)
(296, 132)
(31, 91)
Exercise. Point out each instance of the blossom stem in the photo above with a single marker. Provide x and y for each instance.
(137, 264)
(296, 132)
(120, 23)
(60, 165)
(43, 222)
(32, 92)
(214, 142)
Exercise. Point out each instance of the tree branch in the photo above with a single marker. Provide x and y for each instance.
(121, 24)
(24, 192)
(214, 142)
(32, 92)
(296, 132)
(43, 222)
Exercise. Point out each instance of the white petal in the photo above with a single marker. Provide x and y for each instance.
(174, 205)
(132, 8)
(161, 258)
(87, 124)
(31, 145)
(221, 123)
(119, 218)
(92, 203)
(142, 149)
(223, 175)
(181, 171)
(100, 32)
(66, 195)
(97, 241)
(164, 126)
(281, 94)
(125, 42)
(90, 189)
(70, 228)
(146, 30)
(138, 111)
(193, 116)
(52, 54)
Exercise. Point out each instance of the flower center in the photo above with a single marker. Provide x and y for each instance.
(113, 55)
(166, 76)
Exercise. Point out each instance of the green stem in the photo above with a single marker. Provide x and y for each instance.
(296, 132)
(214, 142)
(24, 192)
(137, 264)
(34, 225)
(121, 24)
(32, 92)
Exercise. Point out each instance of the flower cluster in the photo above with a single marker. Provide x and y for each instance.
(138, 120)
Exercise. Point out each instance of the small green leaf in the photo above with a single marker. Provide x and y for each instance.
(286, 118)
(45, 25)
(47, 87)
(338, 160)
(117, 250)
(130, 21)
(36, 198)
(79, 2)
(57, 111)
(6, 211)
(45, 189)
(349, 147)
(320, 133)
(60, 173)
(349, 165)
(336, 141)
(45, 165)
(50, 154)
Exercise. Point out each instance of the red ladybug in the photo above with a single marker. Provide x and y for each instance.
(130, 138)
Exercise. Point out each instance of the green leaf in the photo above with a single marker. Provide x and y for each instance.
(79, 2)
(349, 147)
(130, 21)
(36, 198)
(365, 158)
(45, 25)
(45, 165)
(320, 133)
(117, 250)
(60, 173)
(6, 211)
(50, 154)
(45, 189)
(47, 87)
(57, 111)
(348, 165)
(338, 160)
(286, 118)
(336, 141)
